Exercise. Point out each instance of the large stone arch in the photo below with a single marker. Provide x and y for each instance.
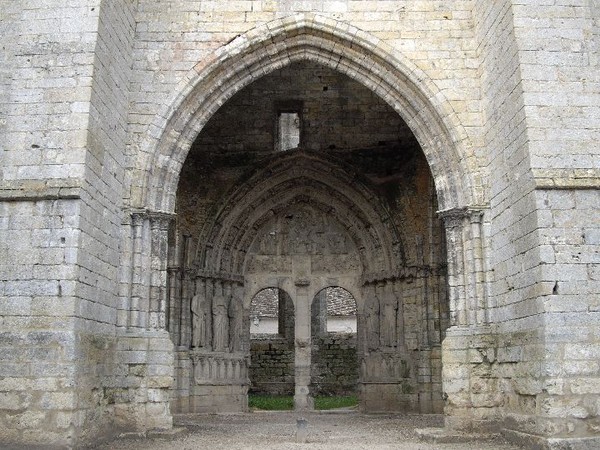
(333, 44)
(408, 91)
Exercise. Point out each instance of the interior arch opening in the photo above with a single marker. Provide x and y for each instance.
(272, 324)
(334, 360)
(355, 205)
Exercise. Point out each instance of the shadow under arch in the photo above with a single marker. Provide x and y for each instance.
(333, 44)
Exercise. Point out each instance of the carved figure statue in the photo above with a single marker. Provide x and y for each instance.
(389, 306)
(268, 243)
(397, 288)
(220, 319)
(236, 319)
(199, 315)
(371, 318)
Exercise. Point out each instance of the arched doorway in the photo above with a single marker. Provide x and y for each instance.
(272, 327)
(326, 183)
(340, 209)
(334, 346)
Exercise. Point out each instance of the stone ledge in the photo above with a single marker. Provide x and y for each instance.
(447, 436)
(567, 178)
(34, 190)
(535, 442)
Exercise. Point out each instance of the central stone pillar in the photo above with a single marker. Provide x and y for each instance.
(302, 398)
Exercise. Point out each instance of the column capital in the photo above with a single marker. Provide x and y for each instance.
(453, 217)
(136, 216)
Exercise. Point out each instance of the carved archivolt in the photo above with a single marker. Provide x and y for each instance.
(301, 181)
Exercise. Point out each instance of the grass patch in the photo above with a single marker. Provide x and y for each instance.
(335, 402)
(271, 402)
(286, 402)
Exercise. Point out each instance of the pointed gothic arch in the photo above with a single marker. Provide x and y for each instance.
(371, 63)
(335, 45)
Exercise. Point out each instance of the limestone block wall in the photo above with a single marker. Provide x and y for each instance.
(271, 368)
(38, 243)
(64, 101)
(537, 233)
(334, 363)
(558, 54)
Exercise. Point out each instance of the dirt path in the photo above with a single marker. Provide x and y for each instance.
(270, 430)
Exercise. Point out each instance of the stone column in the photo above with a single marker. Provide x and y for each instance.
(159, 226)
(477, 270)
(145, 350)
(302, 397)
(466, 267)
(455, 222)
(135, 283)
(464, 375)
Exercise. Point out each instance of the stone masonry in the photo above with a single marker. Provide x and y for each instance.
(447, 175)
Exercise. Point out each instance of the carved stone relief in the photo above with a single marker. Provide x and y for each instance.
(236, 319)
(200, 311)
(307, 231)
(220, 318)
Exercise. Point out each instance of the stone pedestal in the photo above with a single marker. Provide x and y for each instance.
(219, 382)
(387, 384)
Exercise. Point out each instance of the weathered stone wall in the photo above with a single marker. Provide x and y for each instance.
(87, 91)
(61, 330)
(335, 366)
(530, 55)
(271, 366)
(64, 119)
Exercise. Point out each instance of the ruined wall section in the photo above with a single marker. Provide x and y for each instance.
(271, 370)
(334, 364)
(337, 114)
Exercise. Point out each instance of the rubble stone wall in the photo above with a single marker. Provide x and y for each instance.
(334, 364)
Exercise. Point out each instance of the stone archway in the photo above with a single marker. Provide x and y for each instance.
(361, 58)
(335, 347)
(336, 45)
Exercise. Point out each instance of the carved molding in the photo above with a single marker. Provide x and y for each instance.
(220, 368)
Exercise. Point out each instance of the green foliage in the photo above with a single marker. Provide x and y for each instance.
(285, 403)
(335, 402)
(271, 402)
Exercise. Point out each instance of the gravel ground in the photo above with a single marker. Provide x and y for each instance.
(277, 430)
